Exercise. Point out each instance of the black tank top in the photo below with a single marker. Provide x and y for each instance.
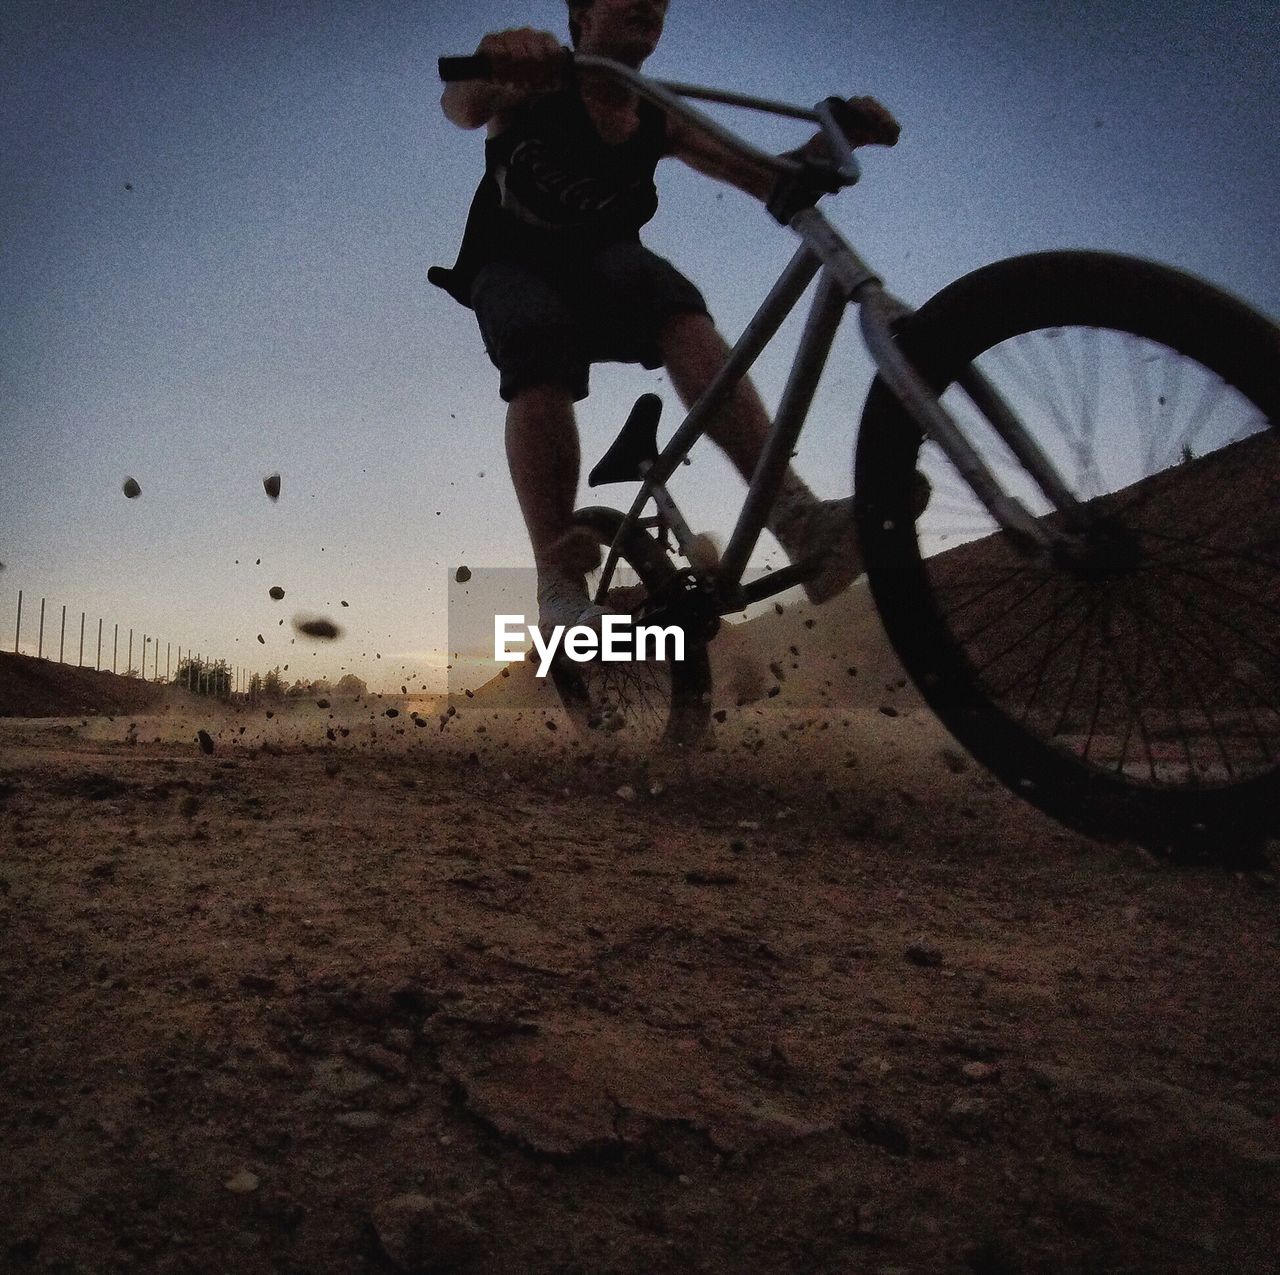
(553, 189)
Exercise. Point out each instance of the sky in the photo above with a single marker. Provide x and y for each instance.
(217, 220)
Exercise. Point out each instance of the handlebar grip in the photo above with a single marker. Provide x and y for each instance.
(474, 67)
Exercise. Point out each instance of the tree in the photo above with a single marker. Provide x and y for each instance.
(204, 677)
(351, 687)
(273, 685)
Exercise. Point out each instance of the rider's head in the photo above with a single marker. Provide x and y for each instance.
(625, 30)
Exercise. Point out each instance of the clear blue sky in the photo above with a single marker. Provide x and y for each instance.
(257, 300)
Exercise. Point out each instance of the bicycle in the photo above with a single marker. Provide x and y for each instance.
(1090, 600)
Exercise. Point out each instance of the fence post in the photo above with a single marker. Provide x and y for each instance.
(40, 634)
(62, 641)
(115, 647)
(97, 663)
(17, 636)
(128, 668)
(81, 664)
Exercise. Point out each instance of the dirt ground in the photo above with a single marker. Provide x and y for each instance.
(413, 998)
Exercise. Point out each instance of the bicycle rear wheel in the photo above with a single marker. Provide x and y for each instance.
(1131, 688)
(656, 703)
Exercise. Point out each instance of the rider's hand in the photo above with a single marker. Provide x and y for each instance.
(525, 59)
(863, 121)
(867, 123)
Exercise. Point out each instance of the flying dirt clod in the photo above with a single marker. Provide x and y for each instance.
(317, 627)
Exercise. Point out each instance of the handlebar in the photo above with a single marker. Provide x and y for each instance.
(841, 170)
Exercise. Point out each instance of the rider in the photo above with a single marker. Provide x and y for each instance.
(551, 263)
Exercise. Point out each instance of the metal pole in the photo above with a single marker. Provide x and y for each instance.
(62, 641)
(97, 663)
(40, 635)
(81, 665)
(17, 637)
(168, 651)
(128, 668)
(115, 646)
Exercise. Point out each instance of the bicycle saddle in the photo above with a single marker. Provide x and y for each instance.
(636, 442)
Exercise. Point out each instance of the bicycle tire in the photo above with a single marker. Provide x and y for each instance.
(658, 704)
(1181, 791)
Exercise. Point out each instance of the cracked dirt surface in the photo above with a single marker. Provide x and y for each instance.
(409, 1006)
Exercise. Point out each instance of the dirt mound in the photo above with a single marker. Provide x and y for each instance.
(41, 688)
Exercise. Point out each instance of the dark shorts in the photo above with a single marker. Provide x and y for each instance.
(546, 327)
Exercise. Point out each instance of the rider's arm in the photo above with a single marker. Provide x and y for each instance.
(705, 154)
(868, 123)
(524, 64)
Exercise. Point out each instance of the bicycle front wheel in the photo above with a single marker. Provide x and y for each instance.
(1131, 687)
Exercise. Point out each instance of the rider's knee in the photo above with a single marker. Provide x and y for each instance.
(690, 329)
(543, 397)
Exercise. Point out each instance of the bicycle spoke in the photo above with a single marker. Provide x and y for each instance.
(1087, 625)
(1035, 628)
(1214, 653)
(966, 639)
(1050, 651)
(1190, 680)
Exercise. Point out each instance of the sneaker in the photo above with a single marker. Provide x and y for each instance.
(826, 528)
(563, 600)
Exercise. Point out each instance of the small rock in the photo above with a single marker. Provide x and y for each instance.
(131, 488)
(275, 592)
(399, 1039)
(206, 741)
(882, 1129)
(271, 485)
(627, 792)
(710, 877)
(419, 1234)
(358, 1119)
(462, 575)
(923, 954)
(967, 1117)
(337, 1077)
(385, 1061)
(242, 1182)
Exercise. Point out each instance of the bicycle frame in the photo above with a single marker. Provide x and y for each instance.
(843, 278)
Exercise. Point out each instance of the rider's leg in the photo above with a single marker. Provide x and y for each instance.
(694, 352)
(544, 456)
(534, 338)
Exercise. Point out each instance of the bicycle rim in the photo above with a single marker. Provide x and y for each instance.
(642, 705)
